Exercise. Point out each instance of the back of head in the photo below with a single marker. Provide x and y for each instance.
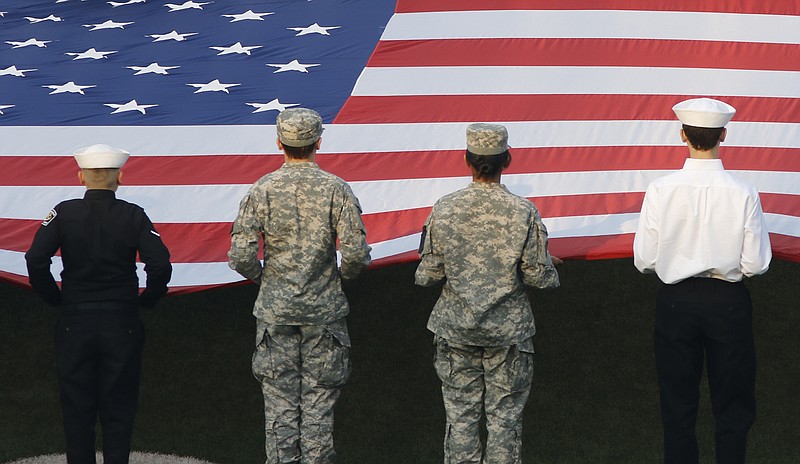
(100, 165)
(102, 178)
(299, 129)
(704, 120)
(487, 149)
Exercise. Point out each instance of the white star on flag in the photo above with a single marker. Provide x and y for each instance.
(174, 35)
(152, 68)
(235, 48)
(130, 106)
(69, 87)
(272, 105)
(13, 71)
(29, 42)
(3, 107)
(129, 2)
(247, 15)
(312, 29)
(53, 18)
(109, 24)
(90, 54)
(3, 14)
(185, 6)
(293, 65)
(213, 86)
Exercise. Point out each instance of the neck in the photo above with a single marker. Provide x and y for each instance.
(310, 159)
(487, 180)
(704, 154)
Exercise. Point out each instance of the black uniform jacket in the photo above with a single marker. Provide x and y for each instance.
(99, 237)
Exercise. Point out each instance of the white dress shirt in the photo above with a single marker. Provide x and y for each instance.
(701, 221)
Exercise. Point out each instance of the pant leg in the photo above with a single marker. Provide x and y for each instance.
(731, 359)
(325, 355)
(276, 365)
(460, 369)
(121, 343)
(679, 364)
(508, 373)
(77, 364)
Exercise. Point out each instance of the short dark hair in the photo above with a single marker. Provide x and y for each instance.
(703, 138)
(487, 166)
(299, 152)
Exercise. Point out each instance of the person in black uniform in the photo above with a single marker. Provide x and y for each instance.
(99, 337)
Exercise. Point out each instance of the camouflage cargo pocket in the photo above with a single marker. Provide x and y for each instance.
(441, 360)
(520, 365)
(262, 363)
(335, 366)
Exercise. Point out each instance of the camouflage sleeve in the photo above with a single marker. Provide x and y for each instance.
(431, 267)
(352, 236)
(245, 235)
(536, 265)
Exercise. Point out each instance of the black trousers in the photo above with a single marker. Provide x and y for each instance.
(714, 318)
(98, 359)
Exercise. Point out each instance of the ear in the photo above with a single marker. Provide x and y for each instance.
(318, 144)
(280, 145)
(80, 178)
(683, 137)
(723, 135)
(119, 177)
(508, 161)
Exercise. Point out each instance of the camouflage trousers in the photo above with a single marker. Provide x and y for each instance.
(301, 369)
(494, 381)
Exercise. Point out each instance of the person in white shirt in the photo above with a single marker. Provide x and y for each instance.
(701, 230)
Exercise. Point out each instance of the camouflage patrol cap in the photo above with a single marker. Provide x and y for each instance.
(487, 139)
(299, 127)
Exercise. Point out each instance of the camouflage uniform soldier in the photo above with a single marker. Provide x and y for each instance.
(482, 322)
(302, 343)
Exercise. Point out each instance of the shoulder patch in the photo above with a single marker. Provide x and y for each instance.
(49, 218)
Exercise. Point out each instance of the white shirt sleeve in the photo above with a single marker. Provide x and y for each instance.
(645, 242)
(756, 248)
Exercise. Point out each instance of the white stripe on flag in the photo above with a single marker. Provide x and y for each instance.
(372, 138)
(580, 80)
(669, 25)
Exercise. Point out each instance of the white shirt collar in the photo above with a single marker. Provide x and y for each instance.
(704, 164)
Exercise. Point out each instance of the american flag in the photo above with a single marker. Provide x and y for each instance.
(585, 88)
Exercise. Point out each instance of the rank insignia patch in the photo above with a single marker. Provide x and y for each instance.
(50, 216)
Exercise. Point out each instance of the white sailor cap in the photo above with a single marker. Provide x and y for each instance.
(704, 112)
(101, 156)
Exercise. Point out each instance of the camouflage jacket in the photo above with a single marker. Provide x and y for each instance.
(298, 212)
(486, 244)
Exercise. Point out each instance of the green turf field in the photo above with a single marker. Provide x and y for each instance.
(594, 400)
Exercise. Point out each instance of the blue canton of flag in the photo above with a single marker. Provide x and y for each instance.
(160, 63)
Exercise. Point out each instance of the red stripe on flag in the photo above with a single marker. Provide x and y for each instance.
(208, 242)
(779, 203)
(17, 234)
(246, 169)
(710, 6)
(600, 247)
(187, 242)
(785, 247)
(392, 224)
(548, 107)
(586, 52)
